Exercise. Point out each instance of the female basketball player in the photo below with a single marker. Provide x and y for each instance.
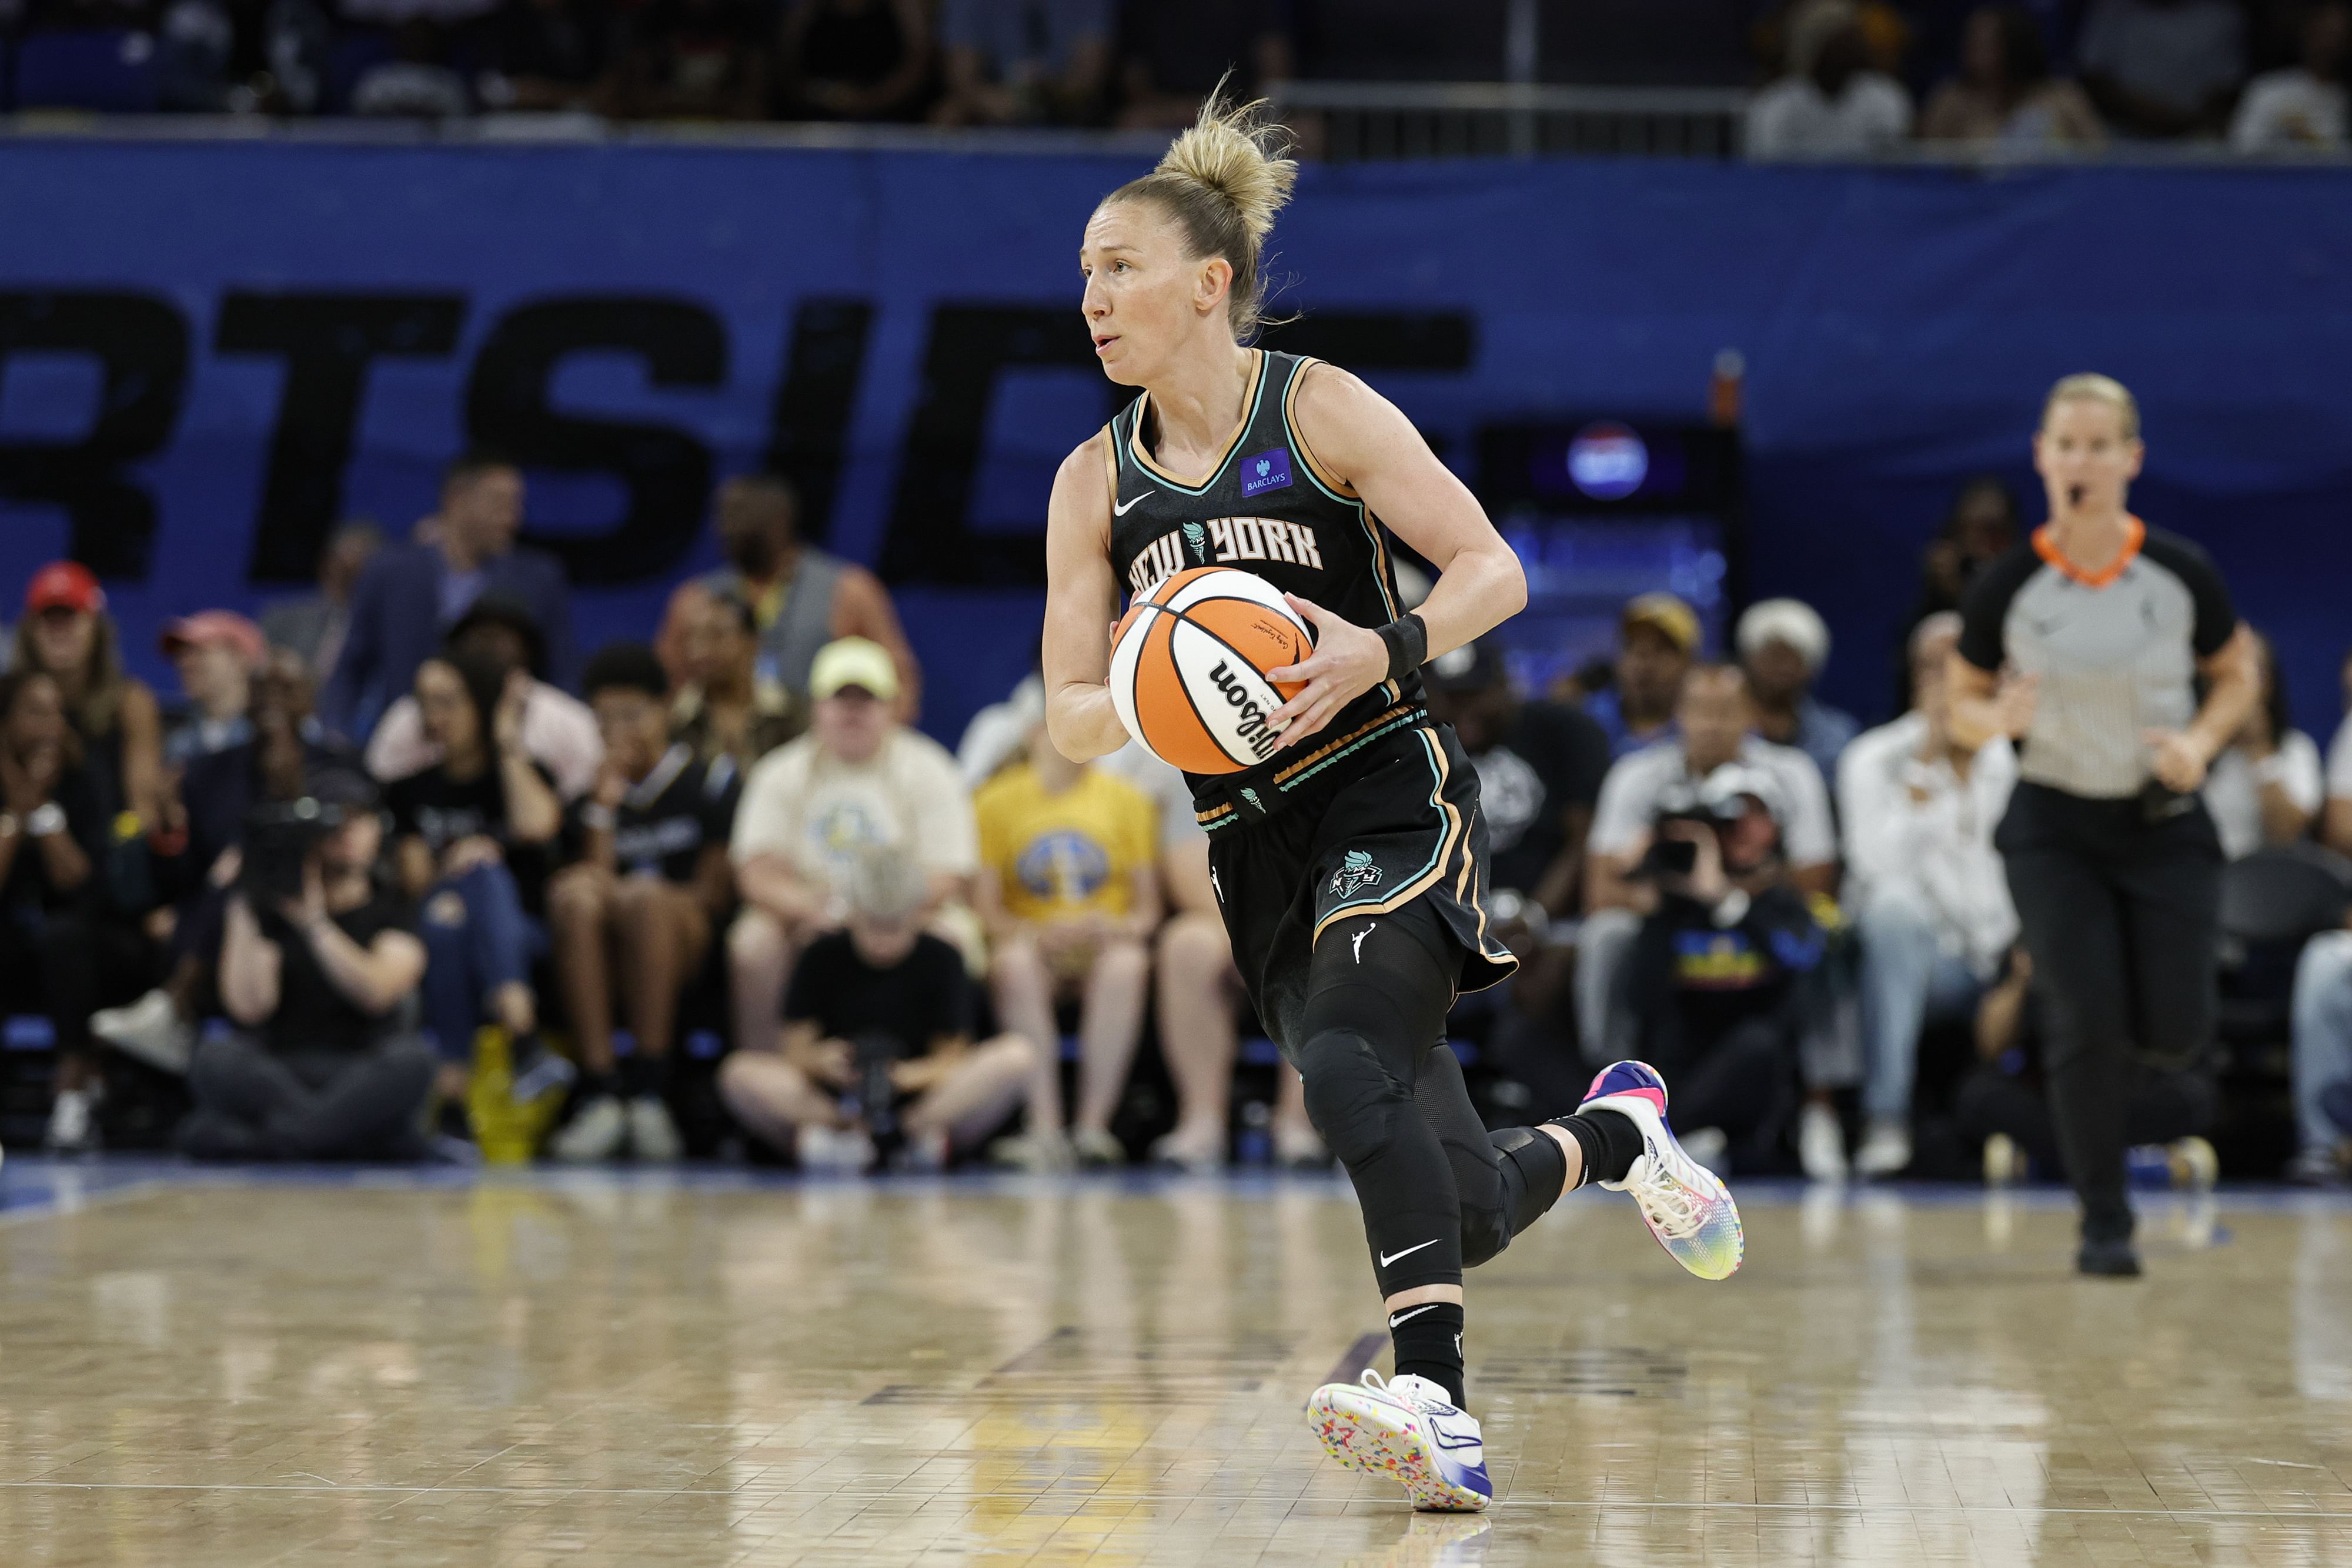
(1350, 866)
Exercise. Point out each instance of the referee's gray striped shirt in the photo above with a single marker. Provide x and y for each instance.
(2117, 652)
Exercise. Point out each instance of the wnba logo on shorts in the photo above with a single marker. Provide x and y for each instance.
(1356, 873)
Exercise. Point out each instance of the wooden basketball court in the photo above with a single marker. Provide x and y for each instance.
(204, 1370)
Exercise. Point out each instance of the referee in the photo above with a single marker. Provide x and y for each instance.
(2085, 642)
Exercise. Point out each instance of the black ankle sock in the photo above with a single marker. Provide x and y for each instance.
(643, 1075)
(1429, 1344)
(1610, 1141)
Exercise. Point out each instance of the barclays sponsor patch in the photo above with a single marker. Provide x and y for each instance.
(1266, 471)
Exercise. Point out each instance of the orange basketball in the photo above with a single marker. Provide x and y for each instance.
(1187, 667)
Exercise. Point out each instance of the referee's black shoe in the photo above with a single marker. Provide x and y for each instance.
(2115, 1259)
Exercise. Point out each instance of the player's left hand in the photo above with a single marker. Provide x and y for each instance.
(2176, 759)
(1349, 661)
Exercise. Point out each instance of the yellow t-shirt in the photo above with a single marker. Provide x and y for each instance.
(1058, 855)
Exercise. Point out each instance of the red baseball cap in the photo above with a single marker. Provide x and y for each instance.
(210, 628)
(64, 585)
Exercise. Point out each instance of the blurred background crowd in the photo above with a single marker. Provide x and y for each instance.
(1812, 78)
(395, 873)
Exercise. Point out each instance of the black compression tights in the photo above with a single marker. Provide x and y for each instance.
(1439, 1192)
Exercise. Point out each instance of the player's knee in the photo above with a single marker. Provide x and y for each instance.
(1485, 1232)
(1350, 1098)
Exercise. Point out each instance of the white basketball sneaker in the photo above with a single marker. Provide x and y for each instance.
(1408, 1431)
(1685, 1206)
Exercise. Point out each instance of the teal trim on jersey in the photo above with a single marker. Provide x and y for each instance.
(1436, 804)
(1405, 721)
(1363, 511)
(1257, 401)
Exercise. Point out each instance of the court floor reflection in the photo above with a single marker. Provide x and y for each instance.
(218, 1372)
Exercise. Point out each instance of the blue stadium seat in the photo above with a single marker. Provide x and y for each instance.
(111, 70)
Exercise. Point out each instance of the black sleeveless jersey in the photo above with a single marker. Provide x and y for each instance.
(1267, 507)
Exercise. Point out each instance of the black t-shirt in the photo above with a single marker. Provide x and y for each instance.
(927, 994)
(1552, 757)
(663, 825)
(441, 811)
(313, 1014)
(29, 885)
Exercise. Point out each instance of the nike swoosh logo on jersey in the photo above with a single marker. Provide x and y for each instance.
(1408, 1316)
(1389, 1258)
(1120, 509)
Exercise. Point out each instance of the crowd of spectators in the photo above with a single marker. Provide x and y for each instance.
(1835, 78)
(388, 835)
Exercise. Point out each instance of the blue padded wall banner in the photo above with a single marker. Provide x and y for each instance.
(210, 352)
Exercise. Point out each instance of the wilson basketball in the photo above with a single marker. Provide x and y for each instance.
(1187, 667)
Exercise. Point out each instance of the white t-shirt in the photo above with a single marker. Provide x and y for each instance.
(2339, 762)
(1631, 795)
(2234, 794)
(1915, 830)
(2288, 109)
(1794, 119)
(820, 812)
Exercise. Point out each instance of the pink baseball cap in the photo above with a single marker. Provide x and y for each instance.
(214, 628)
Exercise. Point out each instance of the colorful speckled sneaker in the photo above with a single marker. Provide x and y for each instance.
(1686, 1206)
(1408, 1431)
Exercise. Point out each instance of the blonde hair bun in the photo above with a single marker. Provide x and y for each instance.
(1222, 180)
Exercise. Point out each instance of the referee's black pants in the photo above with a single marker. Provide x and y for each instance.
(2121, 917)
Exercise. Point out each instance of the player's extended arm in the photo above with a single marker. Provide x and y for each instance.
(1367, 442)
(1081, 602)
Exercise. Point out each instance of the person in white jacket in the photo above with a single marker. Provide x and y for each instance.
(1932, 905)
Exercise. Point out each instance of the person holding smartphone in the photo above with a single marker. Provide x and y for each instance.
(2086, 643)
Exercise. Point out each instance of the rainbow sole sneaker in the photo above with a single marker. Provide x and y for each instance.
(1410, 1432)
(1686, 1208)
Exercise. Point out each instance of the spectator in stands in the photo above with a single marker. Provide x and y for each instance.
(411, 593)
(2265, 787)
(68, 632)
(631, 917)
(1719, 980)
(550, 55)
(2302, 107)
(216, 653)
(317, 980)
(2004, 93)
(1173, 56)
(1716, 722)
(221, 56)
(558, 732)
(2160, 69)
(417, 81)
(2336, 822)
(694, 59)
(1977, 530)
(1025, 62)
(315, 624)
(854, 59)
(470, 839)
(283, 760)
(1069, 891)
(1657, 637)
(802, 597)
(725, 708)
(2004, 1104)
(59, 950)
(857, 780)
(2323, 1060)
(1929, 900)
(1783, 646)
(1830, 104)
(877, 1042)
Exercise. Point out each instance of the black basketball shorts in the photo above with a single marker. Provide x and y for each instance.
(1397, 827)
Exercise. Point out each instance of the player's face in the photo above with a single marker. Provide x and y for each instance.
(2086, 460)
(1146, 294)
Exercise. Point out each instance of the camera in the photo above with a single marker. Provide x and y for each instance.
(279, 838)
(1670, 855)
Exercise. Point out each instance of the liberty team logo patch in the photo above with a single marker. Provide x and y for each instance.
(1266, 471)
(1196, 538)
(1356, 873)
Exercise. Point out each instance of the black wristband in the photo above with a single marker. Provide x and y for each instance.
(1408, 641)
